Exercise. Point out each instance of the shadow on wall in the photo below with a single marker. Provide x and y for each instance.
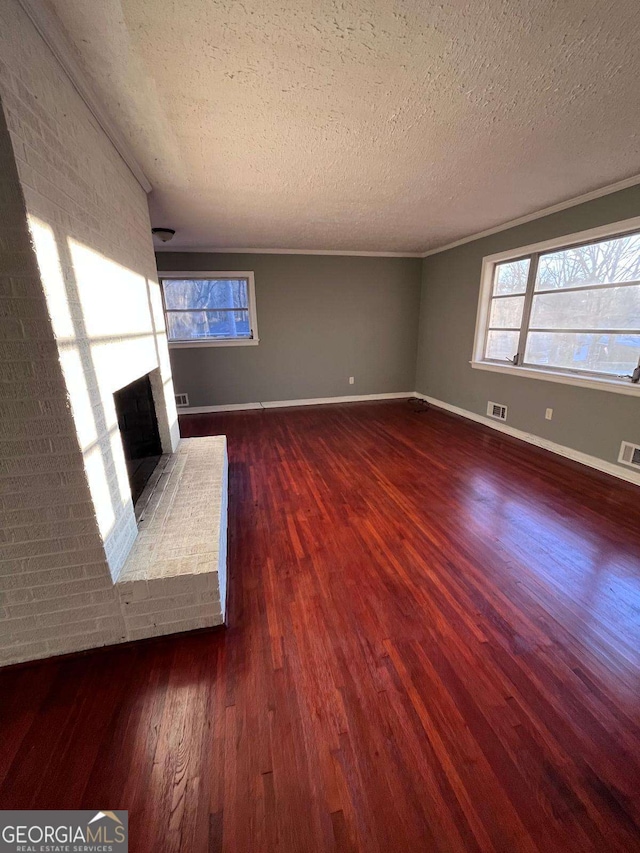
(109, 329)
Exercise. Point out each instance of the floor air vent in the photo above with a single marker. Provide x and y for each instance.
(497, 411)
(629, 454)
(182, 400)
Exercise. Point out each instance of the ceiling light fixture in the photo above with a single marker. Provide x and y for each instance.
(164, 234)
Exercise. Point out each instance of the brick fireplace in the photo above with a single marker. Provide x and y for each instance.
(138, 425)
(82, 320)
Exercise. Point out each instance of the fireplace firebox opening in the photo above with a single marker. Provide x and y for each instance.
(139, 431)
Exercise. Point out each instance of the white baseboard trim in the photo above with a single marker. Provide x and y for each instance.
(530, 438)
(280, 404)
(353, 398)
(229, 407)
(559, 449)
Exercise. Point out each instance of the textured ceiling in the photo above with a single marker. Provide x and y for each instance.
(365, 125)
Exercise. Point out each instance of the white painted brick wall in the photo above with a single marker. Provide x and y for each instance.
(50, 547)
(90, 225)
(75, 326)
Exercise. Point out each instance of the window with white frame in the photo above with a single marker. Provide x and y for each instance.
(570, 309)
(212, 308)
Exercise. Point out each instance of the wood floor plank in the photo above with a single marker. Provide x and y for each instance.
(434, 644)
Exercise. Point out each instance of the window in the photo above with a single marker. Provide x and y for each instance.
(566, 308)
(209, 309)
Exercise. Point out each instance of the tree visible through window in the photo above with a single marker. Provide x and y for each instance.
(214, 309)
(575, 309)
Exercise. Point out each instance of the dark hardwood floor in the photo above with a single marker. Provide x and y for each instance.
(434, 646)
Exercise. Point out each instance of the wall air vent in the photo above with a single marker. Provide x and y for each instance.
(182, 400)
(629, 454)
(497, 411)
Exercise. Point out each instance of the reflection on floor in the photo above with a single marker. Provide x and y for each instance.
(434, 646)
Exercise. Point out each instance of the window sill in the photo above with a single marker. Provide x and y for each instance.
(248, 342)
(618, 386)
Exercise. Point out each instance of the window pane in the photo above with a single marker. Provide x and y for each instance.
(205, 293)
(609, 261)
(511, 277)
(609, 308)
(195, 325)
(616, 354)
(506, 313)
(502, 345)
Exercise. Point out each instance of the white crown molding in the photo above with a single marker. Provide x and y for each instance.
(214, 250)
(546, 211)
(53, 34)
(512, 223)
(544, 443)
(55, 37)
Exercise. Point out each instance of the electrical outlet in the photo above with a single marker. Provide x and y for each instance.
(352, 379)
(548, 414)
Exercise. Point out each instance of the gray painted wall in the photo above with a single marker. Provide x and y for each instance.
(321, 319)
(593, 422)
